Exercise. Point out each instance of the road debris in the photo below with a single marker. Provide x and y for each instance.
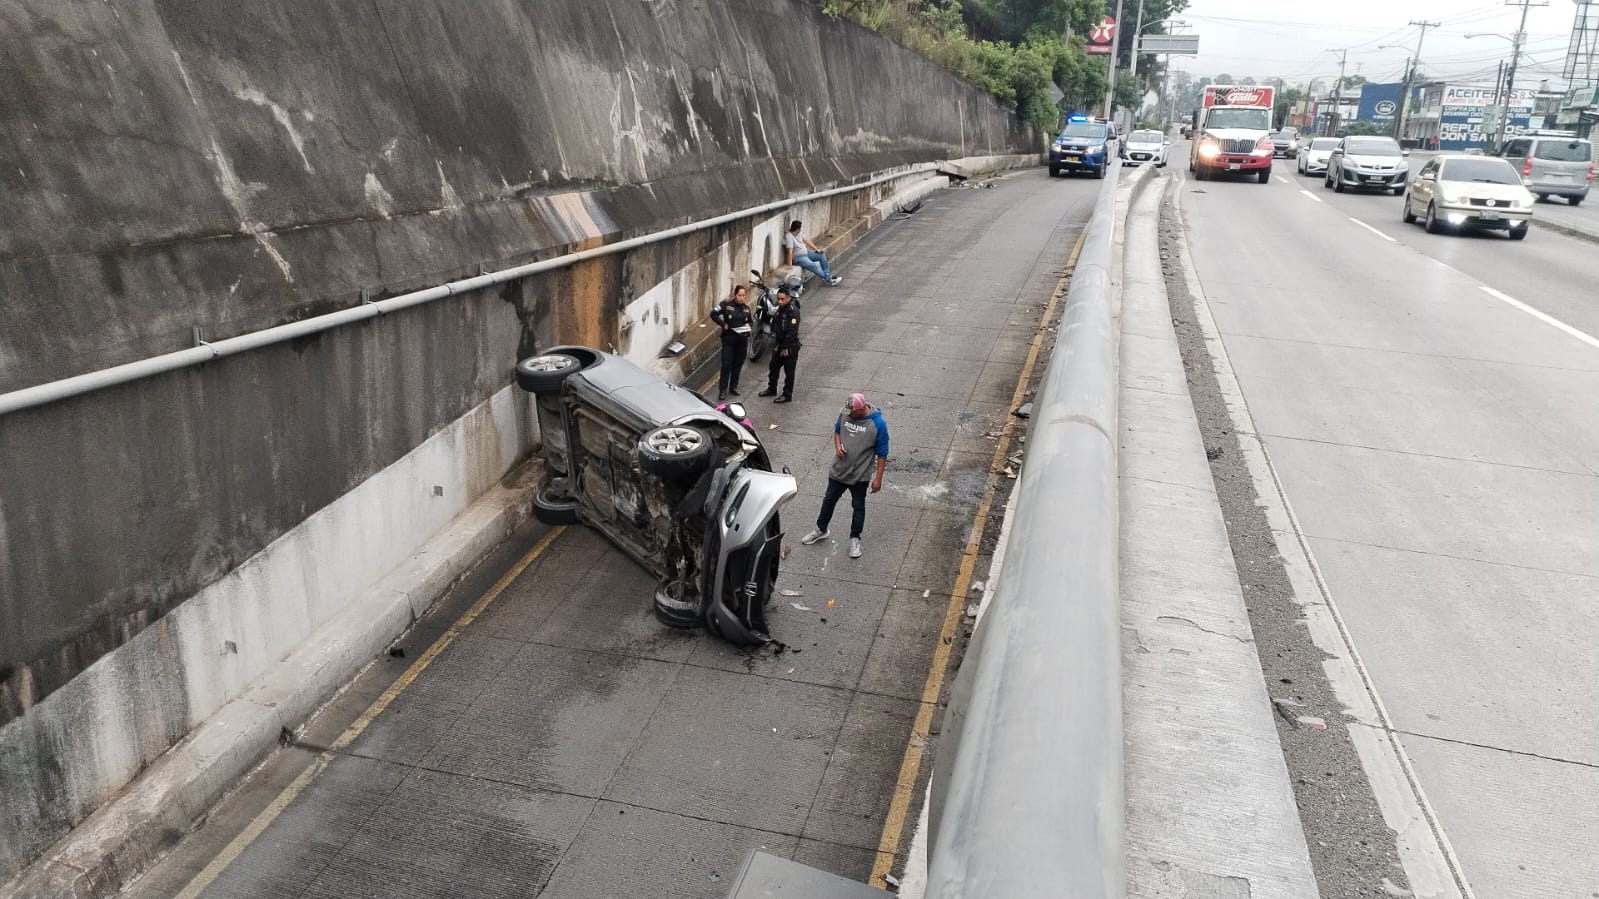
(1025, 410)
(927, 593)
(890, 879)
(978, 586)
(830, 603)
(786, 550)
(971, 611)
(801, 607)
(1310, 721)
(791, 592)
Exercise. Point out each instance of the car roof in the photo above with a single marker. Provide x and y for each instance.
(649, 395)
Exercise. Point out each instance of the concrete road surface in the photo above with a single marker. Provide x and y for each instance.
(1431, 406)
(567, 744)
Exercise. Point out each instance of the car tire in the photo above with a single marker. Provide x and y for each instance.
(543, 374)
(1520, 233)
(675, 453)
(1054, 171)
(1410, 217)
(1338, 183)
(1543, 198)
(1264, 177)
(553, 511)
(1326, 180)
(1433, 225)
(1399, 191)
(1100, 172)
(1576, 201)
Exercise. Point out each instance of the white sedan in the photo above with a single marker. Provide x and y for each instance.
(1313, 159)
(1145, 145)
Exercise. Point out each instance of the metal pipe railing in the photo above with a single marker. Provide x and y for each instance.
(1027, 794)
(53, 391)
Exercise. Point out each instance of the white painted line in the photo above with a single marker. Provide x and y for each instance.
(1282, 179)
(1310, 195)
(1550, 320)
(1372, 230)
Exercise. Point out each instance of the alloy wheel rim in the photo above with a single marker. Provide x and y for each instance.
(550, 363)
(676, 441)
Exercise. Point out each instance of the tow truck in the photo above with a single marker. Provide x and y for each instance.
(1232, 132)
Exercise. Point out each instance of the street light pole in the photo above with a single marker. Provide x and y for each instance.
(1410, 71)
(1510, 73)
(1138, 32)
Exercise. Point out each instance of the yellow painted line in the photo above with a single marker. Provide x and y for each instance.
(911, 764)
(275, 808)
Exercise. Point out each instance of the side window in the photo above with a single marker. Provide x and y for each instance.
(1430, 168)
(1518, 148)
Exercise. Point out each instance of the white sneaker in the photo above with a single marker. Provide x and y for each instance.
(836, 281)
(815, 535)
(854, 547)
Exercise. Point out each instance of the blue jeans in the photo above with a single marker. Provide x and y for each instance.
(815, 263)
(857, 501)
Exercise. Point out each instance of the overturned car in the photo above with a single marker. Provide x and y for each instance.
(687, 491)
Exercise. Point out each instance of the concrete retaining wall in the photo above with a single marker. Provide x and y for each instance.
(173, 164)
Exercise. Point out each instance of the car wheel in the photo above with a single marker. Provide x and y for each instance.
(1410, 217)
(1326, 180)
(1576, 201)
(551, 509)
(1100, 172)
(675, 452)
(1054, 171)
(544, 373)
(1264, 177)
(1519, 233)
(1543, 198)
(1433, 225)
(1399, 191)
(1338, 182)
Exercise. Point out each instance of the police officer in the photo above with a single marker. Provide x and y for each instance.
(786, 347)
(735, 319)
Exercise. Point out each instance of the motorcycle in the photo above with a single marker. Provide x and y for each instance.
(764, 309)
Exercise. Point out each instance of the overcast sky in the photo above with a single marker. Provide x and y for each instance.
(1293, 41)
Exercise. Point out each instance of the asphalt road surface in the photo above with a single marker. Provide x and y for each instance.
(566, 744)
(1430, 404)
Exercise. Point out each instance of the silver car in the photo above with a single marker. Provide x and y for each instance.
(1553, 165)
(687, 491)
(1457, 192)
(1145, 145)
(1313, 159)
(1367, 163)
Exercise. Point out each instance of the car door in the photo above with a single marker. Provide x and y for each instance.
(1335, 161)
(1423, 187)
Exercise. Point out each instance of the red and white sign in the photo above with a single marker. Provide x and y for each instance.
(1231, 95)
(1102, 37)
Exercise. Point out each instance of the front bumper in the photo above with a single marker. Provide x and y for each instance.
(1481, 217)
(1284, 152)
(1373, 180)
(1135, 157)
(1316, 166)
(1234, 162)
(1059, 159)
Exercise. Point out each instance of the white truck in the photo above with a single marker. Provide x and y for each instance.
(1232, 132)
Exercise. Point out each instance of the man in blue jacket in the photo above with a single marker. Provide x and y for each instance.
(859, 436)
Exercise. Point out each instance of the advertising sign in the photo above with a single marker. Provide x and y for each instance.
(1379, 103)
(1102, 37)
(1465, 122)
(1231, 95)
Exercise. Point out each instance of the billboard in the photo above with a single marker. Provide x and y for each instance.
(1465, 112)
(1102, 38)
(1379, 103)
(1233, 95)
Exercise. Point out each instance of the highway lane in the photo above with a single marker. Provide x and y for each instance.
(1550, 271)
(1439, 445)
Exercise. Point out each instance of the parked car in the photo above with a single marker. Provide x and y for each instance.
(1313, 158)
(1460, 191)
(1367, 163)
(1553, 165)
(685, 490)
(1285, 143)
(1145, 145)
(1082, 146)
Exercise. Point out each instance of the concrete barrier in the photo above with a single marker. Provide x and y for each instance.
(1027, 791)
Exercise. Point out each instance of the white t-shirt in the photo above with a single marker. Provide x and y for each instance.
(795, 242)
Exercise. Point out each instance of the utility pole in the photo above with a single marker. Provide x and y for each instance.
(1410, 71)
(1110, 83)
(1510, 73)
(1334, 120)
(1138, 32)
